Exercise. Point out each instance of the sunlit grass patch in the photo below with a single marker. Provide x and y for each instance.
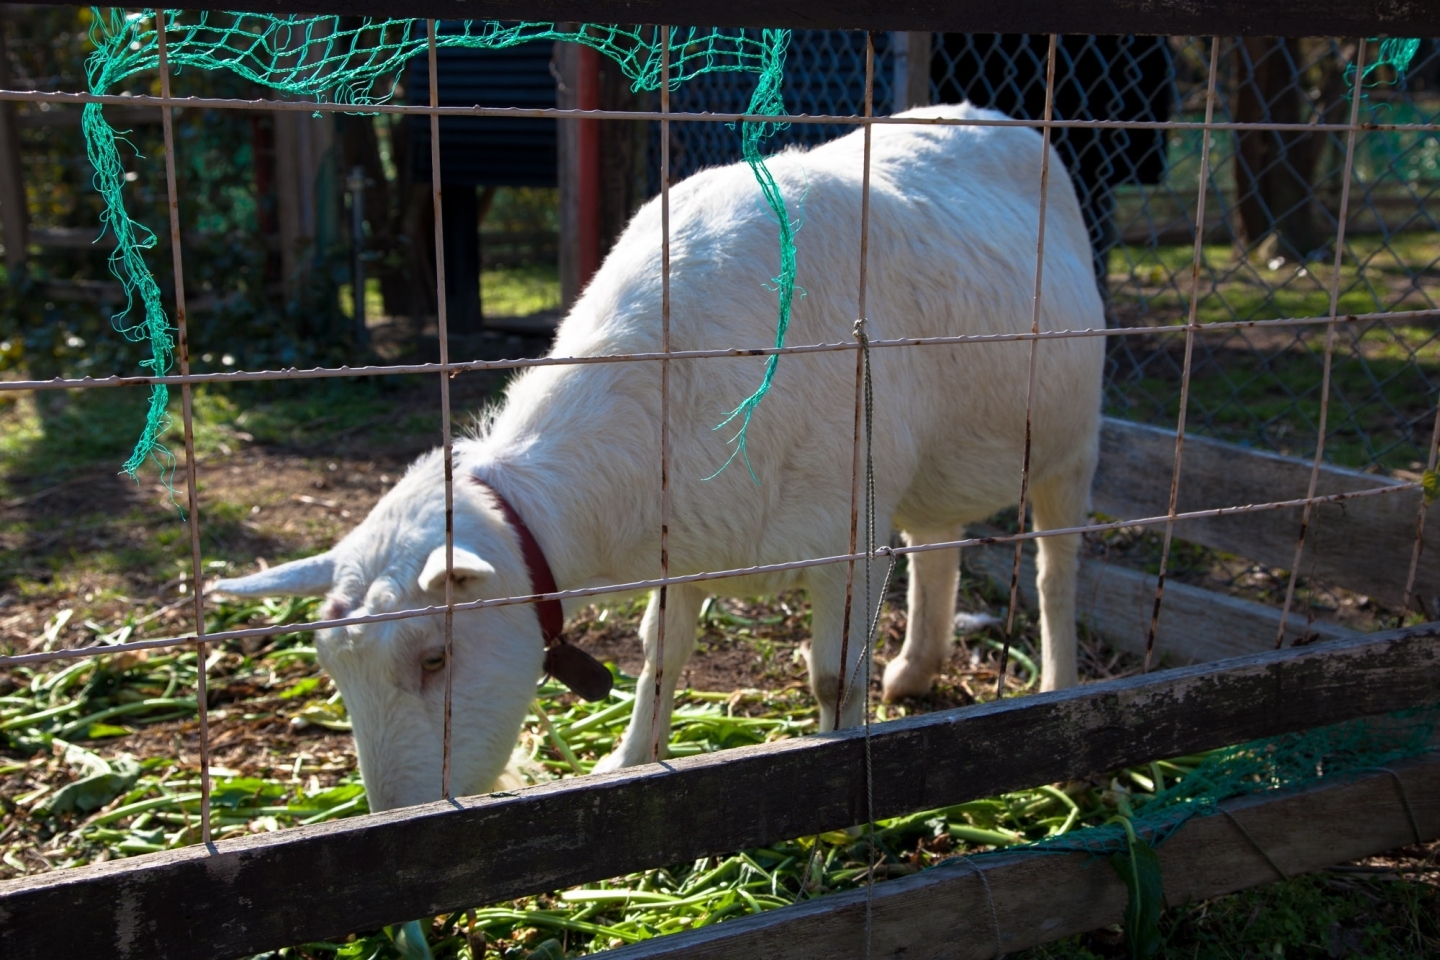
(520, 291)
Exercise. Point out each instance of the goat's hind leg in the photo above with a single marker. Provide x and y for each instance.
(1062, 502)
(930, 622)
(682, 612)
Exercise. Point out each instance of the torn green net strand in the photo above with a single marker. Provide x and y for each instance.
(321, 58)
(1396, 52)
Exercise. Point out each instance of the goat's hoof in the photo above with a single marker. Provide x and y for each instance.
(906, 679)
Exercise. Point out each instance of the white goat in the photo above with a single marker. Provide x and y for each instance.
(576, 449)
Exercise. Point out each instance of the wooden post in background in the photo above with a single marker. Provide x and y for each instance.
(306, 202)
(14, 212)
(624, 149)
(578, 158)
(307, 189)
(912, 69)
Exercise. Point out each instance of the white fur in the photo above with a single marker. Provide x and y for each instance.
(576, 449)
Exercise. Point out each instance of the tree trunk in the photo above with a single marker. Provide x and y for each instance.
(624, 146)
(1275, 170)
(912, 69)
(14, 210)
(578, 157)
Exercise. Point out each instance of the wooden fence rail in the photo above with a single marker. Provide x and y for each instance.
(1364, 545)
(247, 895)
(1196, 625)
(948, 913)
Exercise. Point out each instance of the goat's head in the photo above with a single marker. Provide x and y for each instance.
(392, 673)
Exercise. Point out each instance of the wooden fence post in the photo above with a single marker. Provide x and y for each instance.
(578, 158)
(912, 69)
(306, 199)
(14, 212)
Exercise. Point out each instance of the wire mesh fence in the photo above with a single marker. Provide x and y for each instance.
(1272, 211)
(1258, 215)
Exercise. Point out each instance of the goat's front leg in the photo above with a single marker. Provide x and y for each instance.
(682, 611)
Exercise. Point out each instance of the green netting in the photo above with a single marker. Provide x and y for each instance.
(1397, 52)
(1345, 750)
(357, 61)
(1287, 761)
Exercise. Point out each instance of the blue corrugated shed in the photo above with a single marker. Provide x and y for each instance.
(487, 151)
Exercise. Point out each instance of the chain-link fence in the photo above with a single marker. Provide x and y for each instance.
(1271, 212)
(1187, 311)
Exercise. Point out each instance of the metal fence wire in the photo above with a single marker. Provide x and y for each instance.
(1271, 213)
(1291, 284)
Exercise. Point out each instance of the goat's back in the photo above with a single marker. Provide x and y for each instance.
(952, 235)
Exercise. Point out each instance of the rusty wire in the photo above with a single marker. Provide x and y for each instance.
(638, 585)
(469, 366)
(1190, 328)
(663, 596)
(1356, 95)
(182, 343)
(1033, 359)
(701, 116)
(446, 369)
(447, 452)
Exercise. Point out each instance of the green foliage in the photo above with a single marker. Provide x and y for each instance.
(101, 782)
(1139, 868)
(410, 940)
(520, 291)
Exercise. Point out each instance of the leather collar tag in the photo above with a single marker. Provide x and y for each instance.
(579, 671)
(565, 662)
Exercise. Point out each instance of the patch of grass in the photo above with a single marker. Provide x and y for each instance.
(515, 291)
(520, 291)
(1262, 387)
(1324, 915)
(374, 298)
(56, 434)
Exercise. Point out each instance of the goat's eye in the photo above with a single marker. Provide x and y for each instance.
(433, 662)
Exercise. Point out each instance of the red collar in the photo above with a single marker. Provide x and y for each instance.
(563, 660)
(552, 618)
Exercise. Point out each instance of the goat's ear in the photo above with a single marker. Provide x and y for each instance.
(310, 577)
(470, 570)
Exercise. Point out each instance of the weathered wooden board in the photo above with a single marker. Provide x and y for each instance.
(257, 893)
(1196, 625)
(1300, 18)
(1363, 544)
(947, 913)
